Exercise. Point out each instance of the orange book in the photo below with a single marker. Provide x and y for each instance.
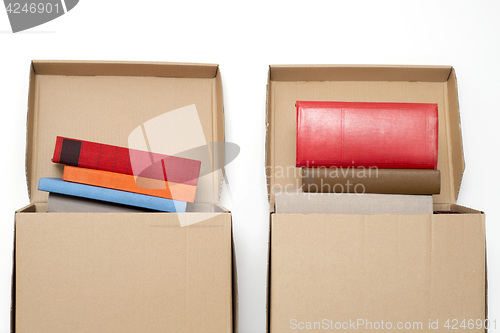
(130, 183)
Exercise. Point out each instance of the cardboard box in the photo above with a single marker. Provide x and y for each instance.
(123, 272)
(372, 272)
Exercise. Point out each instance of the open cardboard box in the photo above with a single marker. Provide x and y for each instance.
(122, 272)
(372, 272)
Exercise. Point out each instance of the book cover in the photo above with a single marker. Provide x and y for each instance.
(57, 185)
(61, 203)
(371, 180)
(298, 202)
(353, 134)
(99, 156)
(129, 183)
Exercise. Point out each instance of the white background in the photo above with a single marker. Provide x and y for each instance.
(244, 38)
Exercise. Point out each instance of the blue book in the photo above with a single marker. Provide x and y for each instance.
(57, 185)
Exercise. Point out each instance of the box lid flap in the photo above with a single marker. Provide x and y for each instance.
(167, 108)
(366, 83)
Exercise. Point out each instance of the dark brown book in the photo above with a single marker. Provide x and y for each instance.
(371, 180)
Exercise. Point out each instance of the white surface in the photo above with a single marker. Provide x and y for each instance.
(244, 38)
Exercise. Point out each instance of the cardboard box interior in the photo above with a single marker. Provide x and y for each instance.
(85, 272)
(287, 84)
(395, 268)
(107, 103)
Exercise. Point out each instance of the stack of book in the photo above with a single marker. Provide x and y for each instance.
(106, 178)
(387, 149)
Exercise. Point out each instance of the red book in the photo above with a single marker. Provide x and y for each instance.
(384, 135)
(145, 164)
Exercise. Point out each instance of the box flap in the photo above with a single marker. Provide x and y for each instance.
(405, 84)
(111, 102)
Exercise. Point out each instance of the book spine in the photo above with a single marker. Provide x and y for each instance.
(57, 185)
(98, 156)
(129, 183)
(384, 135)
(371, 180)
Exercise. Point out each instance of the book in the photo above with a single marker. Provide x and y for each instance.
(353, 134)
(298, 202)
(371, 180)
(129, 183)
(99, 156)
(61, 203)
(57, 185)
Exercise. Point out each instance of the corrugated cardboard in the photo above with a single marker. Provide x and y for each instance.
(77, 100)
(377, 268)
(332, 269)
(120, 272)
(402, 84)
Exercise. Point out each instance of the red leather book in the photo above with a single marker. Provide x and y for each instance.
(145, 164)
(362, 134)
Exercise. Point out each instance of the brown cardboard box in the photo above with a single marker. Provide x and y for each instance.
(372, 272)
(121, 272)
